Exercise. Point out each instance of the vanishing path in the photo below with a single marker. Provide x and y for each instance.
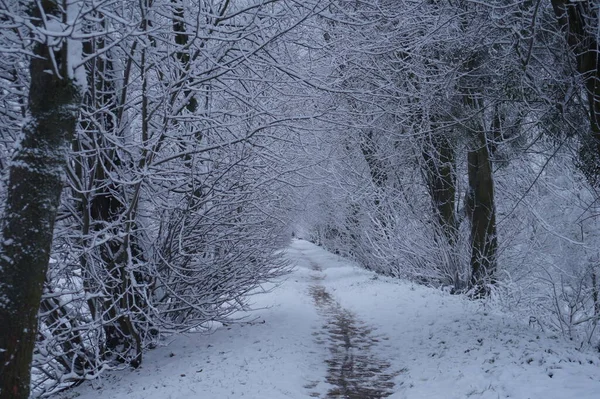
(388, 338)
(353, 370)
(332, 330)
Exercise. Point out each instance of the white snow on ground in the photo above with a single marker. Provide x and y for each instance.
(442, 346)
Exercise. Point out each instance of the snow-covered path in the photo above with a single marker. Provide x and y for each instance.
(353, 368)
(332, 330)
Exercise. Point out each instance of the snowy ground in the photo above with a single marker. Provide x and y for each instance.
(332, 330)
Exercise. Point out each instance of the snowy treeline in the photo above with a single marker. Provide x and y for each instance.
(453, 143)
(173, 206)
(463, 151)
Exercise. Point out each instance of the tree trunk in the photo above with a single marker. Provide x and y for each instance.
(479, 202)
(482, 212)
(579, 21)
(440, 177)
(183, 55)
(33, 195)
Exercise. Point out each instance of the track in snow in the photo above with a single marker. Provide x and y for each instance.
(352, 368)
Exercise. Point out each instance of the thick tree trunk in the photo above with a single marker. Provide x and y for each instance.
(482, 212)
(34, 188)
(479, 204)
(579, 21)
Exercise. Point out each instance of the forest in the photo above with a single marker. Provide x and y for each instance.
(156, 157)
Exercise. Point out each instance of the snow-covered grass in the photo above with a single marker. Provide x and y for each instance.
(442, 346)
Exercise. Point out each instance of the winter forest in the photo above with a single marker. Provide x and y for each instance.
(157, 157)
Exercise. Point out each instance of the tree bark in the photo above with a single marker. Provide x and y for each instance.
(35, 183)
(579, 21)
(440, 177)
(482, 212)
(183, 55)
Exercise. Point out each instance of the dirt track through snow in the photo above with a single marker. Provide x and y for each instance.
(353, 370)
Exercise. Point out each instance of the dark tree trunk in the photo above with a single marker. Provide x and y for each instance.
(33, 195)
(183, 55)
(440, 177)
(579, 21)
(482, 213)
(479, 201)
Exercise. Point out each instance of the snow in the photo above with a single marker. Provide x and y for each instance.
(437, 345)
(75, 49)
